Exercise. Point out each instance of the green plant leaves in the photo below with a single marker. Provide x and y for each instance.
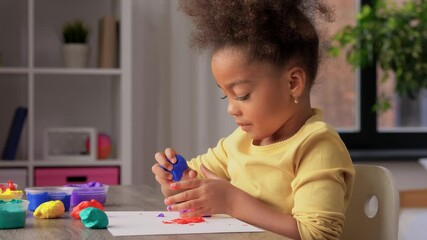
(391, 36)
(75, 32)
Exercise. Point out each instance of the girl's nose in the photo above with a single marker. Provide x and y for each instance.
(232, 108)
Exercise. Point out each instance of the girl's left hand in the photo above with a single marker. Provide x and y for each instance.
(202, 197)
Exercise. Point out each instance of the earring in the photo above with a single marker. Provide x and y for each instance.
(295, 99)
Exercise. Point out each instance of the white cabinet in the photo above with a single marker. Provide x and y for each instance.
(32, 75)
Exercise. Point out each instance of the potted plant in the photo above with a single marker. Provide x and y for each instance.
(75, 49)
(392, 37)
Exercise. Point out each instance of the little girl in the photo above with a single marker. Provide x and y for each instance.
(283, 169)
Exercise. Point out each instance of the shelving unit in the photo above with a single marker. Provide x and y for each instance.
(32, 75)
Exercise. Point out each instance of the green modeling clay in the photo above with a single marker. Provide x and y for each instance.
(12, 214)
(94, 218)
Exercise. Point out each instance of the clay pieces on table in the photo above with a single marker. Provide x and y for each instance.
(94, 218)
(85, 204)
(51, 209)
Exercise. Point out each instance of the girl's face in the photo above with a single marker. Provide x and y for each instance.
(259, 95)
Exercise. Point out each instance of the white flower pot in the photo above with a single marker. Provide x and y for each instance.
(76, 55)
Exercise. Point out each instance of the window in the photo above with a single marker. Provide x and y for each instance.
(336, 83)
(347, 96)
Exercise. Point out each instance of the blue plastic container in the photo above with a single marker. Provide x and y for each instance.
(39, 195)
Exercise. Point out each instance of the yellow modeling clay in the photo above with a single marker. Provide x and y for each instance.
(10, 194)
(51, 209)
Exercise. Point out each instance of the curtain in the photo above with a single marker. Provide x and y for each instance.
(176, 102)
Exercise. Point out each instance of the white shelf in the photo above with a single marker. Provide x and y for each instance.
(62, 71)
(14, 70)
(14, 163)
(78, 71)
(50, 163)
(32, 75)
(46, 163)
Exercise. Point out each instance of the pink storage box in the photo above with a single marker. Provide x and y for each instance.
(63, 176)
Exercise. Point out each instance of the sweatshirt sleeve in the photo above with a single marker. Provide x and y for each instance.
(322, 188)
(215, 159)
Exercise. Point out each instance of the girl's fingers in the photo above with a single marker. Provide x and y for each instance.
(187, 184)
(194, 213)
(170, 154)
(163, 161)
(182, 197)
(161, 173)
(190, 174)
(162, 181)
(192, 207)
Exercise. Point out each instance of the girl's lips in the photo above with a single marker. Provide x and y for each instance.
(244, 126)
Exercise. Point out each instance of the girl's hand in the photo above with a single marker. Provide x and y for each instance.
(202, 197)
(167, 159)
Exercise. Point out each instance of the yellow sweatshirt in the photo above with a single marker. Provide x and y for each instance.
(309, 175)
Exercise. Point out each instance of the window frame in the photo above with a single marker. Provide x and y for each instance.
(370, 144)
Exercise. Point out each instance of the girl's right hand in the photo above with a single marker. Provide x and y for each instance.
(167, 159)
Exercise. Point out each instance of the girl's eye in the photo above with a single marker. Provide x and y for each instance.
(238, 98)
(241, 98)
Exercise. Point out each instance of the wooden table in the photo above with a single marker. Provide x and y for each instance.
(119, 198)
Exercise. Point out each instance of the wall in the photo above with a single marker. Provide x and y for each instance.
(176, 102)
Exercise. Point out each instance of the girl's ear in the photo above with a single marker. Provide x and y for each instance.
(297, 81)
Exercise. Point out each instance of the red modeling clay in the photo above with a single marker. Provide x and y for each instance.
(85, 204)
(9, 185)
(185, 220)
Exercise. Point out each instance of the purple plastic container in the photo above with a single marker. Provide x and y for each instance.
(87, 192)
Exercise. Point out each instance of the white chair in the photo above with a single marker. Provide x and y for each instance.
(373, 212)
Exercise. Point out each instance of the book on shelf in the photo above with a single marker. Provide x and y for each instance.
(12, 142)
(107, 42)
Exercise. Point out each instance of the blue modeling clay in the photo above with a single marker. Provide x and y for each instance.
(178, 168)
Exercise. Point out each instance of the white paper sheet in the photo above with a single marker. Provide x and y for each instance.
(148, 223)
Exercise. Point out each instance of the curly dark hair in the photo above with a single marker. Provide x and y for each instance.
(272, 30)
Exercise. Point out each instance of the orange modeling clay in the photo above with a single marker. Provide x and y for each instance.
(85, 204)
(185, 220)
